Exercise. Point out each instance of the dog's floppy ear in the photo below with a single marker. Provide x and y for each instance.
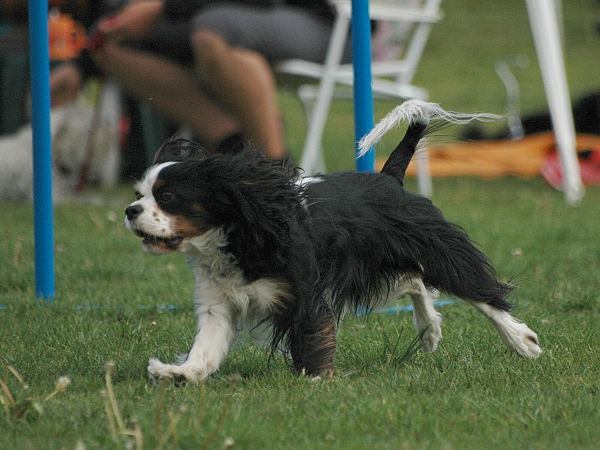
(255, 198)
(177, 149)
(267, 201)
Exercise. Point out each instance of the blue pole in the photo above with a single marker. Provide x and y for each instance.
(42, 152)
(363, 97)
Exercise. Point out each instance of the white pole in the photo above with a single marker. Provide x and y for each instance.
(546, 35)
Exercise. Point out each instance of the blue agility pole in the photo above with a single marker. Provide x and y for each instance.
(363, 96)
(42, 149)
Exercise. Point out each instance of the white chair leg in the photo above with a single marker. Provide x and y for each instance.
(307, 95)
(417, 44)
(423, 173)
(316, 126)
(543, 22)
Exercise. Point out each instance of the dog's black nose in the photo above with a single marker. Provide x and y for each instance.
(133, 211)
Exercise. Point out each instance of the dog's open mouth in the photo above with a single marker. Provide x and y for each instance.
(156, 244)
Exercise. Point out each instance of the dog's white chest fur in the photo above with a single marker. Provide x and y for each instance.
(218, 277)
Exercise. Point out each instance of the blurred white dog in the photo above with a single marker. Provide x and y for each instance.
(81, 151)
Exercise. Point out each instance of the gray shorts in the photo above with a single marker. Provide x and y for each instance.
(278, 33)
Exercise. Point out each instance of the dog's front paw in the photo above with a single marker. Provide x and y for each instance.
(186, 372)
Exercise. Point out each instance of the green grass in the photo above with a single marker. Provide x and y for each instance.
(112, 305)
(471, 393)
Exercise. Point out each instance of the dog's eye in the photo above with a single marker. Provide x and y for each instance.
(166, 197)
(138, 195)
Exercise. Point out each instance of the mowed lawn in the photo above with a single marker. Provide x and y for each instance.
(117, 305)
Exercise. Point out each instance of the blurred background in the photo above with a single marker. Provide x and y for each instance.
(457, 69)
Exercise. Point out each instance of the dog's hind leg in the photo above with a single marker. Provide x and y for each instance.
(425, 317)
(516, 335)
(313, 344)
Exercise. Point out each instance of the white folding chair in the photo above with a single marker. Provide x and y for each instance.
(392, 71)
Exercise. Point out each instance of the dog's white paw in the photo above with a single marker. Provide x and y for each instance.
(191, 372)
(517, 335)
(526, 344)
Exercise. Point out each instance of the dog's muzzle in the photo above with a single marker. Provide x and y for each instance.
(152, 243)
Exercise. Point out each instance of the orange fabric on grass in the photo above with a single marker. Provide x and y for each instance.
(490, 159)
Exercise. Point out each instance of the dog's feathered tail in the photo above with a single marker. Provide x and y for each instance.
(420, 116)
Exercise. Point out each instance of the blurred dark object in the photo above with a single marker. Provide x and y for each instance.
(586, 115)
(14, 79)
(13, 11)
(148, 129)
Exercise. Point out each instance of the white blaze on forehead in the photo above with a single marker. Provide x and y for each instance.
(151, 220)
(144, 186)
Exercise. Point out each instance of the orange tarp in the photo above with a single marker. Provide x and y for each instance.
(489, 159)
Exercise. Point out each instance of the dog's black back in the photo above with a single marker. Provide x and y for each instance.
(368, 231)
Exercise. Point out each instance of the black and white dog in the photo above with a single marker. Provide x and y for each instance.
(268, 247)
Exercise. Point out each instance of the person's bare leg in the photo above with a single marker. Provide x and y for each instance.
(170, 88)
(243, 81)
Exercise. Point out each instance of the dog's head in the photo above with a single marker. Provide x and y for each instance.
(188, 192)
(165, 212)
